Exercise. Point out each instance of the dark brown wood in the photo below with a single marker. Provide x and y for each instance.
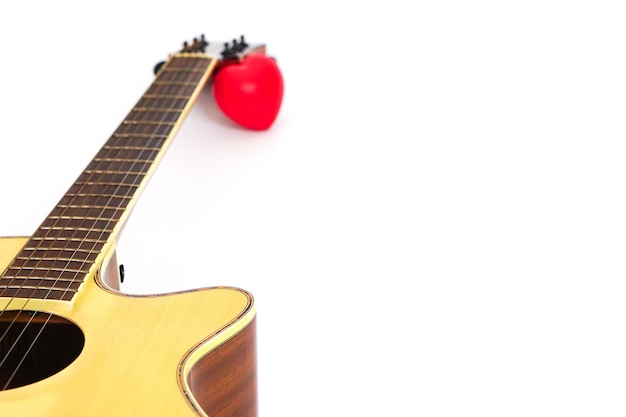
(224, 382)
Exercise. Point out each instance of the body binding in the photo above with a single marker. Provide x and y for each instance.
(198, 360)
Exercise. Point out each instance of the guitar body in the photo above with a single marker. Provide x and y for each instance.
(71, 344)
(183, 354)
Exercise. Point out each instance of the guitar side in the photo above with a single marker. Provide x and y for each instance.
(185, 354)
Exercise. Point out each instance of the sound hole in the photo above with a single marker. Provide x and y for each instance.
(34, 346)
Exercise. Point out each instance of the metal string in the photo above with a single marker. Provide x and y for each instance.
(98, 241)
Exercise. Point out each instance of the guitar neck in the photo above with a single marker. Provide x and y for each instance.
(71, 241)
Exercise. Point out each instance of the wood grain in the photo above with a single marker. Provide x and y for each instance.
(224, 382)
(136, 349)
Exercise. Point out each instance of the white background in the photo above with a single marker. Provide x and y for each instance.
(434, 226)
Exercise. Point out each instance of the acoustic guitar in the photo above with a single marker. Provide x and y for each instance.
(71, 344)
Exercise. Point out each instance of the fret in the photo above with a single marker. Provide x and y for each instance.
(40, 293)
(156, 110)
(165, 96)
(118, 167)
(172, 90)
(72, 229)
(108, 185)
(177, 83)
(147, 122)
(93, 251)
(26, 271)
(193, 75)
(37, 276)
(95, 201)
(75, 264)
(173, 98)
(85, 223)
(137, 141)
(104, 226)
(48, 255)
(102, 188)
(97, 188)
(39, 236)
(75, 235)
(40, 284)
(156, 129)
(111, 172)
(111, 200)
(173, 102)
(95, 191)
(122, 160)
(88, 206)
(189, 61)
(87, 246)
(110, 178)
(96, 195)
(65, 228)
(139, 136)
(182, 69)
(181, 76)
(70, 218)
(66, 239)
(77, 221)
(73, 211)
(163, 117)
(80, 218)
(118, 153)
(41, 254)
(132, 148)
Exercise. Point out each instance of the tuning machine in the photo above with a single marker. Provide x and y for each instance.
(234, 49)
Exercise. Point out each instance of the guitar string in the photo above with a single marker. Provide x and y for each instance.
(66, 248)
(96, 244)
(57, 248)
(149, 149)
(46, 235)
(53, 285)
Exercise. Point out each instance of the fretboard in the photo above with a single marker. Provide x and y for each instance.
(69, 244)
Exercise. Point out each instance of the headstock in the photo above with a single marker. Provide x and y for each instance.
(247, 85)
(226, 52)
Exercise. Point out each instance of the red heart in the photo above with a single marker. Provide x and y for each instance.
(250, 92)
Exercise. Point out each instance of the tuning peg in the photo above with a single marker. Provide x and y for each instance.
(203, 43)
(228, 52)
(199, 44)
(238, 46)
